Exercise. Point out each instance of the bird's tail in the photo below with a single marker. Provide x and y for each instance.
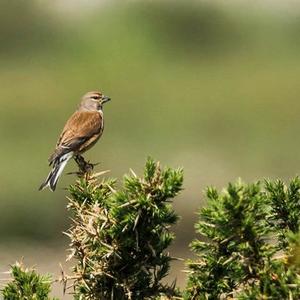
(58, 166)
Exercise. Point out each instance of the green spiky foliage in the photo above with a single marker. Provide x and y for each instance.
(234, 227)
(280, 278)
(285, 208)
(26, 284)
(119, 237)
(248, 242)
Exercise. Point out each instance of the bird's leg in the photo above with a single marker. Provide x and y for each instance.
(84, 166)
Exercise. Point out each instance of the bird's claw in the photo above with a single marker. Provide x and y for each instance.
(84, 166)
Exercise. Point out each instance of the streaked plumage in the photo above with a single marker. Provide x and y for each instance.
(81, 132)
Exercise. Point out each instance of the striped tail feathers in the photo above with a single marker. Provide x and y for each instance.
(58, 153)
(58, 166)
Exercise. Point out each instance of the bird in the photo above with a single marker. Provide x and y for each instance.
(82, 130)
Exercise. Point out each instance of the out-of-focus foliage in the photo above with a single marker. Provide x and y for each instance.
(26, 285)
(25, 28)
(119, 238)
(249, 245)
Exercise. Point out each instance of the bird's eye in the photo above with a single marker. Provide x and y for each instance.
(95, 97)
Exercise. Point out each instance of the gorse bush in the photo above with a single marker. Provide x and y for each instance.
(248, 245)
(119, 238)
(284, 202)
(248, 242)
(27, 285)
(235, 247)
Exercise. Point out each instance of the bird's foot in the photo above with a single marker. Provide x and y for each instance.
(84, 166)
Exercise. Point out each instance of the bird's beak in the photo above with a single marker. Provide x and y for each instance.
(105, 99)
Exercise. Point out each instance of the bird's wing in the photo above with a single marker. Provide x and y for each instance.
(82, 127)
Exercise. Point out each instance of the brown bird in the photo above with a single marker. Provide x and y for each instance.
(81, 132)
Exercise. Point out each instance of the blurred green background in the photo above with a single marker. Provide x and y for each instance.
(212, 86)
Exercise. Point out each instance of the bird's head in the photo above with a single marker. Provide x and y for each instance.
(93, 101)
